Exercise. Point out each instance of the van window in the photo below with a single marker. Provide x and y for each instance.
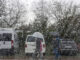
(31, 39)
(40, 39)
(0, 37)
(7, 36)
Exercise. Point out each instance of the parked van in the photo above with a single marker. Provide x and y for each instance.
(30, 43)
(8, 41)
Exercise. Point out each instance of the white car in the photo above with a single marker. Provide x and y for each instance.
(8, 41)
(30, 44)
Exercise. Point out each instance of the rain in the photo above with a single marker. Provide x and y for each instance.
(39, 30)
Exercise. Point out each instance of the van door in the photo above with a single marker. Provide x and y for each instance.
(31, 44)
(43, 44)
(1, 38)
(5, 42)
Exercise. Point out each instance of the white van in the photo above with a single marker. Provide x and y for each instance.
(30, 44)
(8, 41)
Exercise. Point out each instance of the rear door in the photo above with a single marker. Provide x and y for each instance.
(43, 44)
(5, 41)
(31, 44)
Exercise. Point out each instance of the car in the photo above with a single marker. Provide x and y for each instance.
(68, 47)
(30, 44)
(8, 41)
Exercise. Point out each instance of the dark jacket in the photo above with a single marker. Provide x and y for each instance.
(38, 44)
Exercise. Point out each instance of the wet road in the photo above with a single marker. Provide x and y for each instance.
(45, 58)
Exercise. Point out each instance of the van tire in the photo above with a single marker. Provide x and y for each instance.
(12, 52)
(29, 54)
(44, 54)
(26, 54)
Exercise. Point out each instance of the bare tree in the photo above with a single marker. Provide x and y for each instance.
(41, 20)
(14, 13)
(2, 11)
(67, 18)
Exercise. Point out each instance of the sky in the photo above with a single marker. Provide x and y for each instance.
(30, 14)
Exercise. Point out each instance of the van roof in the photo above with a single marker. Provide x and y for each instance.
(7, 29)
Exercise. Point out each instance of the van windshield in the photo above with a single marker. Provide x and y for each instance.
(31, 39)
(40, 39)
(7, 36)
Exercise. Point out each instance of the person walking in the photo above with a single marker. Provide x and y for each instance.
(38, 50)
(56, 45)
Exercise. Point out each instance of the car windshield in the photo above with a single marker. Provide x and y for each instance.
(68, 42)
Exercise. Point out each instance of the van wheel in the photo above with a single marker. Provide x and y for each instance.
(12, 53)
(7, 53)
(44, 54)
(26, 54)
